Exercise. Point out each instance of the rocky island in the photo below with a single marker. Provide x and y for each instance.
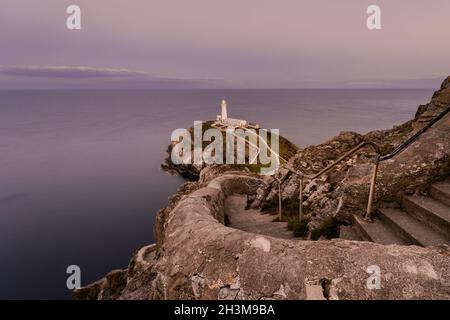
(219, 236)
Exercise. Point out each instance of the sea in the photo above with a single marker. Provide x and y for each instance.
(80, 177)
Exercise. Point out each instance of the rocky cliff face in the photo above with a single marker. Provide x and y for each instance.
(438, 103)
(197, 257)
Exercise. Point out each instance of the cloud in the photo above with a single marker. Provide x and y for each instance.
(70, 72)
(28, 76)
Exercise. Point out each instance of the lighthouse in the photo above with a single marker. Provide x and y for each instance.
(224, 116)
(222, 120)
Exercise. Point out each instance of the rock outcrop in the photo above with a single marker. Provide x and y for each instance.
(192, 171)
(438, 103)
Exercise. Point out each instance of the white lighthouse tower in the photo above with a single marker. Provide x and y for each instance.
(224, 115)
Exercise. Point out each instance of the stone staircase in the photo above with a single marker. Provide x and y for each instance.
(252, 220)
(423, 221)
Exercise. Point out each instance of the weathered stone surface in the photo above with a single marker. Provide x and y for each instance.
(131, 283)
(203, 259)
(108, 288)
(438, 103)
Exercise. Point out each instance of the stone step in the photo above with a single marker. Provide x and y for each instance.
(429, 211)
(411, 229)
(254, 221)
(349, 233)
(441, 192)
(377, 231)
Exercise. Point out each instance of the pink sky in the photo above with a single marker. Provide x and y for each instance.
(233, 43)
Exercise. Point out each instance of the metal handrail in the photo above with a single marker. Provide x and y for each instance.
(377, 159)
(336, 162)
(415, 136)
(346, 155)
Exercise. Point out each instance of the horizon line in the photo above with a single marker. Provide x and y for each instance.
(225, 88)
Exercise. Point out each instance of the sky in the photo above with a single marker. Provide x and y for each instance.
(223, 44)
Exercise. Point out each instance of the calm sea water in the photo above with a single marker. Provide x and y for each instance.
(80, 181)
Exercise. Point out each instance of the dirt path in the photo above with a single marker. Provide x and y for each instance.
(253, 220)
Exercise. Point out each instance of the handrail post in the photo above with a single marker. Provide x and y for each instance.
(300, 199)
(368, 215)
(279, 199)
